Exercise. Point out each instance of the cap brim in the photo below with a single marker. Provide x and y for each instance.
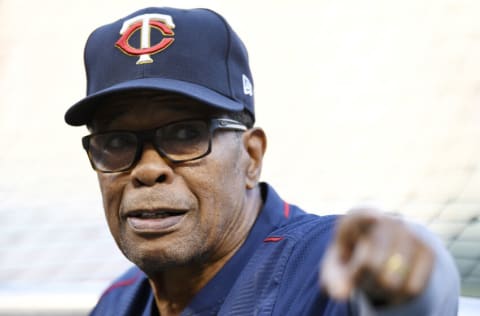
(81, 112)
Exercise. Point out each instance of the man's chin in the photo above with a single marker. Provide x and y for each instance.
(153, 260)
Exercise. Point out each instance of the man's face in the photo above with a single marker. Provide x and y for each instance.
(201, 201)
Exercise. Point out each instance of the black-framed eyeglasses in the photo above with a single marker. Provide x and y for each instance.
(182, 141)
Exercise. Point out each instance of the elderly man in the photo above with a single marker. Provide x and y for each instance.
(170, 111)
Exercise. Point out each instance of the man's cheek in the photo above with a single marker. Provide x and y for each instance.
(110, 184)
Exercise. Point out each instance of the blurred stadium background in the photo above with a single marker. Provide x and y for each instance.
(364, 102)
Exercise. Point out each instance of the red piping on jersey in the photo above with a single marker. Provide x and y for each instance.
(286, 209)
(126, 282)
(272, 239)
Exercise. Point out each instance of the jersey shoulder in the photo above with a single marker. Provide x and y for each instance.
(301, 225)
(127, 295)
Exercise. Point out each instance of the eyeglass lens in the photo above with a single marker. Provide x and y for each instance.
(178, 141)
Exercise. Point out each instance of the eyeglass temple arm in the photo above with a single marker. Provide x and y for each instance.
(229, 123)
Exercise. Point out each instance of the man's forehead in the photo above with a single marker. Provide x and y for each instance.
(167, 105)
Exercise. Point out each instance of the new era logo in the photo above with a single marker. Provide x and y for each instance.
(247, 86)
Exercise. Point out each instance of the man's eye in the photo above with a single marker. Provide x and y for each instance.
(119, 142)
(184, 133)
(187, 133)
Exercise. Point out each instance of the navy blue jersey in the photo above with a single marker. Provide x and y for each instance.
(275, 272)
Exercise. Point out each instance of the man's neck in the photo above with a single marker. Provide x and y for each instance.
(174, 288)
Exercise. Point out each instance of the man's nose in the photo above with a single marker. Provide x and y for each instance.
(152, 168)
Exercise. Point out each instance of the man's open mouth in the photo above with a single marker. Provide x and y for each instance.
(155, 214)
(154, 220)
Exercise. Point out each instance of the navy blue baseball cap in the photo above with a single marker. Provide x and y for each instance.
(190, 52)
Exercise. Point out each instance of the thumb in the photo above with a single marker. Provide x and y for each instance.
(334, 275)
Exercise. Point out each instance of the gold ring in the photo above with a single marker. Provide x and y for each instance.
(396, 265)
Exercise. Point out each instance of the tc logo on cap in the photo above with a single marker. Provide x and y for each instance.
(145, 22)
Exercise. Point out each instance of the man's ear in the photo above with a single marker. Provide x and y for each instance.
(255, 142)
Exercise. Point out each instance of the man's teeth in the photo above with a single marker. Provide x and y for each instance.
(154, 214)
